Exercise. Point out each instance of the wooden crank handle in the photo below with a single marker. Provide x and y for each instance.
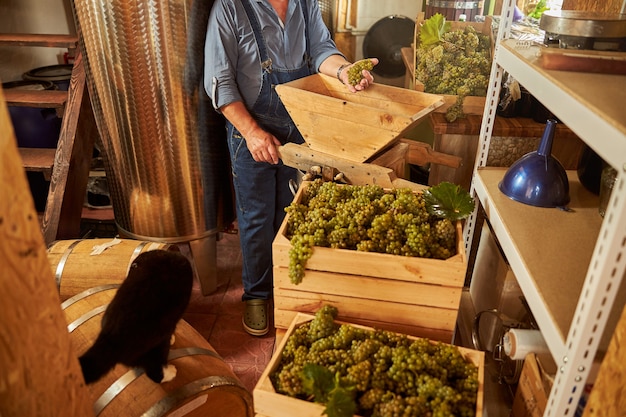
(421, 153)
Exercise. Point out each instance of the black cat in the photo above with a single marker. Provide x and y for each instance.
(139, 323)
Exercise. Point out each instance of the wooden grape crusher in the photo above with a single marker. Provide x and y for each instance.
(357, 138)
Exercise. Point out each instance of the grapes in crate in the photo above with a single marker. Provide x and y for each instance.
(354, 370)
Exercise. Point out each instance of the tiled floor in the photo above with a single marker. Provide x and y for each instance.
(217, 317)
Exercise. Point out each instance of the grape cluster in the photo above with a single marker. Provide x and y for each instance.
(355, 72)
(364, 218)
(390, 374)
(459, 65)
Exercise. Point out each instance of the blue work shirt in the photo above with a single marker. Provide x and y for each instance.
(232, 62)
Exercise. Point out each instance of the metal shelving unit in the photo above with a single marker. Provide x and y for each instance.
(570, 265)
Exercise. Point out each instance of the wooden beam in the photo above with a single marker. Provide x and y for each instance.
(39, 370)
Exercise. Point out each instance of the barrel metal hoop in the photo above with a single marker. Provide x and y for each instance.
(164, 405)
(115, 388)
(87, 316)
(135, 254)
(122, 382)
(58, 274)
(87, 293)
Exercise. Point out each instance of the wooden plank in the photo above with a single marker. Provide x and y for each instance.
(70, 173)
(55, 99)
(393, 158)
(40, 371)
(36, 39)
(503, 126)
(371, 288)
(351, 308)
(38, 160)
(285, 317)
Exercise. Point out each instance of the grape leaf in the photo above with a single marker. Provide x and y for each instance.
(433, 29)
(448, 201)
(317, 381)
(340, 403)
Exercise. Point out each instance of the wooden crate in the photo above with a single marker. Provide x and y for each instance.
(269, 403)
(411, 295)
(353, 126)
(471, 104)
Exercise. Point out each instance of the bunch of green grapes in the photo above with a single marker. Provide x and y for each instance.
(460, 64)
(389, 374)
(355, 72)
(364, 218)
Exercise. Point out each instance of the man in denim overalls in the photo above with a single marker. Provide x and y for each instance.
(251, 46)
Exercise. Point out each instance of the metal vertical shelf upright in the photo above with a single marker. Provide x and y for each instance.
(583, 103)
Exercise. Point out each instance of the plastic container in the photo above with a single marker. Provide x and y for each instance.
(34, 127)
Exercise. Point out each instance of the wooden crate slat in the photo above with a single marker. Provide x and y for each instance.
(351, 308)
(371, 288)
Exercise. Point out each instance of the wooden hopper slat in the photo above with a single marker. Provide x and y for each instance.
(354, 126)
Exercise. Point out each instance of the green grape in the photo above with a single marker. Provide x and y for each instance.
(355, 72)
(370, 398)
(323, 325)
(459, 65)
(390, 374)
(358, 375)
(364, 218)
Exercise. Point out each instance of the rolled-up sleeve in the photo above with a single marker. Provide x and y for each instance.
(220, 56)
(321, 44)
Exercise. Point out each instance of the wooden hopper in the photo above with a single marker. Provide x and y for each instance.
(353, 126)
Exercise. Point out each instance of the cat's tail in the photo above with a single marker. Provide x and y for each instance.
(95, 363)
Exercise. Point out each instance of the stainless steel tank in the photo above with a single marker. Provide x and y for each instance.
(165, 155)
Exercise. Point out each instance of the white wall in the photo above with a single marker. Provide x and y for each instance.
(370, 12)
(32, 16)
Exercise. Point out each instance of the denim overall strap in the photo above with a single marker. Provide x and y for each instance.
(262, 190)
(268, 108)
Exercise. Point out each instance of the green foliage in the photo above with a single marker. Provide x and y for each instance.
(317, 381)
(449, 201)
(433, 29)
(538, 10)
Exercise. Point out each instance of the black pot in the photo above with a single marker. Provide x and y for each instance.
(60, 75)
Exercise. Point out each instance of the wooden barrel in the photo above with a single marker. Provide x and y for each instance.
(452, 10)
(77, 266)
(204, 384)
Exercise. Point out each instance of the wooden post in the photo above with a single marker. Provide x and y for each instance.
(39, 371)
